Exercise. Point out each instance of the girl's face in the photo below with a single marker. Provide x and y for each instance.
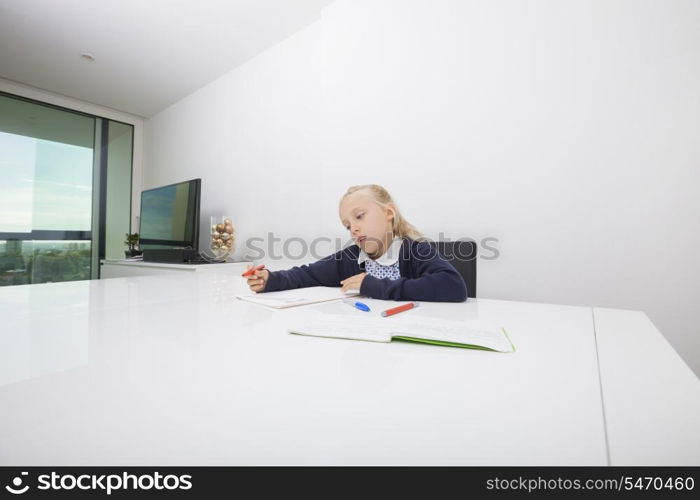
(370, 225)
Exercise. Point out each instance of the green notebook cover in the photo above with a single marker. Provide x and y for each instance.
(452, 344)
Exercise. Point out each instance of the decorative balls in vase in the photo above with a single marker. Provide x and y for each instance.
(223, 236)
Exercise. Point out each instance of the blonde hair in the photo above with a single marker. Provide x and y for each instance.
(381, 197)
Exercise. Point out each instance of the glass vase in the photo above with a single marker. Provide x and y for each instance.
(222, 236)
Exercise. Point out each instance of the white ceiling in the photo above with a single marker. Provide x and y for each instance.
(148, 53)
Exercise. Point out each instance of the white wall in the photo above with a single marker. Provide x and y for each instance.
(566, 129)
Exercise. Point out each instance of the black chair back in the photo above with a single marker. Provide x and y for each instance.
(462, 255)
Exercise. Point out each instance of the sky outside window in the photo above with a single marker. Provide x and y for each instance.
(44, 184)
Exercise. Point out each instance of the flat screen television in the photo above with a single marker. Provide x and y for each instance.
(170, 216)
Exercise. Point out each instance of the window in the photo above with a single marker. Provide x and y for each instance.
(65, 191)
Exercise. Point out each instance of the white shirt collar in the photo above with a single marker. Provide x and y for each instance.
(390, 257)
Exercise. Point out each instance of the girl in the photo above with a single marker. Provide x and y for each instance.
(388, 260)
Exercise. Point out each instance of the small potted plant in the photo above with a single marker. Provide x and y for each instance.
(131, 241)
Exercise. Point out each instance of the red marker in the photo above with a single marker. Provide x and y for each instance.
(252, 270)
(398, 309)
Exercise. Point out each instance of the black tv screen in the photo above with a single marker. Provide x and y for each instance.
(170, 216)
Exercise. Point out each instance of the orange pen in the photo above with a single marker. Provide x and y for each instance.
(398, 309)
(252, 270)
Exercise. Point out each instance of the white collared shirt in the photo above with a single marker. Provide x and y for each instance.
(387, 265)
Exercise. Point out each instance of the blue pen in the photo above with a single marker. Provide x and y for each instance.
(359, 305)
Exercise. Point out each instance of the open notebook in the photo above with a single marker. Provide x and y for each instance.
(297, 296)
(467, 334)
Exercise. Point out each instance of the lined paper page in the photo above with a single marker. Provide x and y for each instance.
(297, 296)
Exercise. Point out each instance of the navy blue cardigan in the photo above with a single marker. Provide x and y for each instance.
(425, 275)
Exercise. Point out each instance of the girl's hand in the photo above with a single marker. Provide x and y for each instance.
(353, 282)
(258, 280)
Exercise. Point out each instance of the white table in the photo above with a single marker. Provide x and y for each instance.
(172, 370)
(651, 398)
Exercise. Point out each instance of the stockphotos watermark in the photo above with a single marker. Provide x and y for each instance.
(294, 248)
(106, 483)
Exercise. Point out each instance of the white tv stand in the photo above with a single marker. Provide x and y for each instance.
(125, 268)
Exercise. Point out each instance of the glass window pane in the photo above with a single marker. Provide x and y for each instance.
(62, 187)
(17, 159)
(46, 170)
